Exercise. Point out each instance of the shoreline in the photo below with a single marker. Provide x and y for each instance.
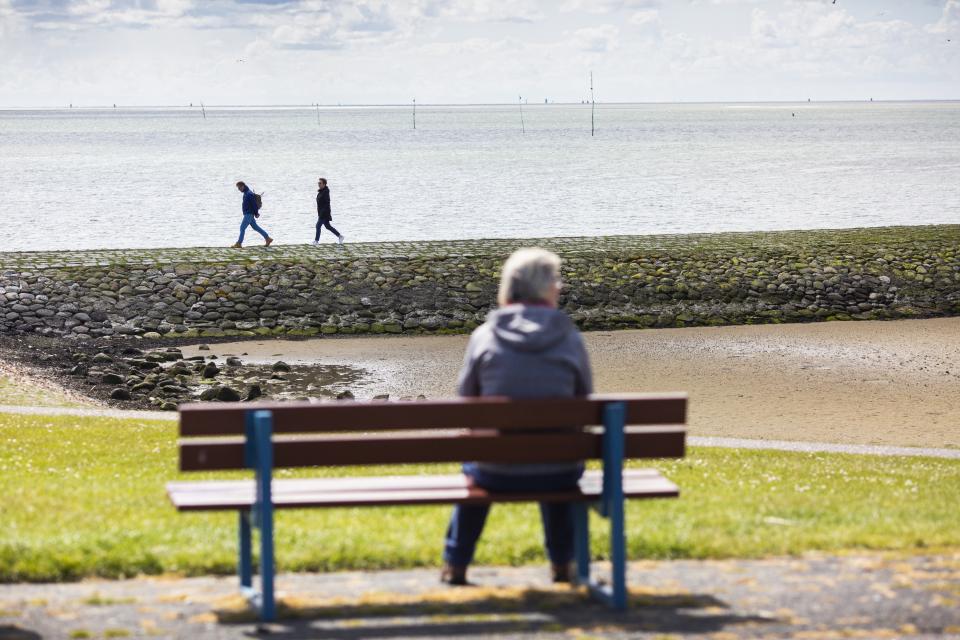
(891, 383)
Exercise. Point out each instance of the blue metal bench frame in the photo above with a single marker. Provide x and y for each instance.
(258, 455)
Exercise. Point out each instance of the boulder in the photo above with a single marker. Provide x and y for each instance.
(228, 394)
(120, 393)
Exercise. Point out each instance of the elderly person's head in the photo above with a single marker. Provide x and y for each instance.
(530, 276)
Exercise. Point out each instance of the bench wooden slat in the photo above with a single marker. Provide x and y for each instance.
(475, 413)
(201, 454)
(397, 490)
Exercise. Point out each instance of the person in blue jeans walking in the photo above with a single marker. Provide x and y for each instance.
(249, 207)
(527, 348)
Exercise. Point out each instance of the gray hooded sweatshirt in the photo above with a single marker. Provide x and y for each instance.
(525, 351)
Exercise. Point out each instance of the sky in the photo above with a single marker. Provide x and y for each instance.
(273, 52)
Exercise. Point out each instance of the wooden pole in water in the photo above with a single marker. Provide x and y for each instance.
(203, 111)
(318, 114)
(593, 105)
(523, 129)
(414, 113)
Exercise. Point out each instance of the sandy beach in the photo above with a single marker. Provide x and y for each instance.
(888, 383)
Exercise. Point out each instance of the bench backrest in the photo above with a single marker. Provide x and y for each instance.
(213, 436)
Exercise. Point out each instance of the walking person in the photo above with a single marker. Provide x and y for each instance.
(323, 212)
(250, 215)
(527, 348)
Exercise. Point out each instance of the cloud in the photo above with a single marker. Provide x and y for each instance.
(480, 10)
(596, 39)
(646, 18)
(75, 15)
(607, 6)
(949, 22)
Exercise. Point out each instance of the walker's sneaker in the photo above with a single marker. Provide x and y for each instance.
(562, 572)
(340, 239)
(454, 575)
(315, 243)
(236, 245)
(269, 241)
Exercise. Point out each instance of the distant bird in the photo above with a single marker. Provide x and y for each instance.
(239, 59)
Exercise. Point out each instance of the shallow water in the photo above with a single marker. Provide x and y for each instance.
(80, 179)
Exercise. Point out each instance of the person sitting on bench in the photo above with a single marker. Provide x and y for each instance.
(527, 348)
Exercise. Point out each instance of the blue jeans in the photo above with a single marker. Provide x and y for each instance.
(466, 523)
(250, 221)
(321, 223)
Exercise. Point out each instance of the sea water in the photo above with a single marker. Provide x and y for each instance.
(121, 177)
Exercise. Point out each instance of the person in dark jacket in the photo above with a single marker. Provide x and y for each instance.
(527, 348)
(249, 207)
(323, 212)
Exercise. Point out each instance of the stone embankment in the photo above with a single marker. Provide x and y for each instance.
(610, 282)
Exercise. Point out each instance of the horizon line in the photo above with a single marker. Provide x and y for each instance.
(111, 106)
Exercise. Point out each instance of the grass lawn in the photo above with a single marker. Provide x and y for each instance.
(85, 496)
(18, 392)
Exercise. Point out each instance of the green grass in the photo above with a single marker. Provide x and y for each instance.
(14, 392)
(85, 496)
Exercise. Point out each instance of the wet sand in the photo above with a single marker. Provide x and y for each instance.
(887, 383)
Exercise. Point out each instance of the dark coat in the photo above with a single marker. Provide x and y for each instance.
(249, 202)
(323, 204)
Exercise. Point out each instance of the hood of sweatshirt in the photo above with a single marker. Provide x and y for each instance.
(529, 328)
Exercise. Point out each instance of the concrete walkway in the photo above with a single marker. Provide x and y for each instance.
(694, 441)
(862, 596)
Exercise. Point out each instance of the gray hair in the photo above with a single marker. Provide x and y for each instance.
(528, 275)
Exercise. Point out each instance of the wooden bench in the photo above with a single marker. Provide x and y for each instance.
(264, 436)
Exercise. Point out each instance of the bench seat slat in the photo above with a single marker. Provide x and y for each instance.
(475, 413)
(396, 490)
(204, 454)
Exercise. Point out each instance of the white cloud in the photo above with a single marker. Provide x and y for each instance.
(645, 18)
(949, 22)
(105, 51)
(607, 6)
(480, 10)
(596, 39)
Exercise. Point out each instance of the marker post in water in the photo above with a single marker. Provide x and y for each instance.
(593, 104)
(523, 129)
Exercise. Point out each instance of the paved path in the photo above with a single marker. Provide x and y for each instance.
(863, 596)
(695, 441)
(570, 246)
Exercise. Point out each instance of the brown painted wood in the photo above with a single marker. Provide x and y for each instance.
(397, 490)
(476, 413)
(201, 454)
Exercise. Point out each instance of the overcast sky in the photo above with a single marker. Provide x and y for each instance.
(169, 52)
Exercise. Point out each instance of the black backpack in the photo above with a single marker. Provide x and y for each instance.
(259, 201)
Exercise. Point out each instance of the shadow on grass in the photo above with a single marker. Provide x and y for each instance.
(483, 611)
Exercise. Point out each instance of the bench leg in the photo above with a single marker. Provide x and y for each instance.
(614, 419)
(581, 532)
(618, 557)
(267, 605)
(263, 427)
(245, 565)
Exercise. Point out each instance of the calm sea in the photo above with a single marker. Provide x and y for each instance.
(112, 178)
